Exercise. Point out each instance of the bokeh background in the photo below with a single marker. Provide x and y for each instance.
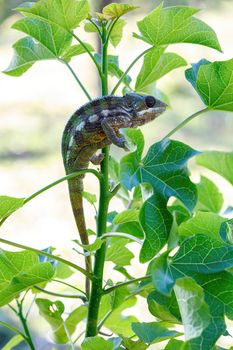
(35, 107)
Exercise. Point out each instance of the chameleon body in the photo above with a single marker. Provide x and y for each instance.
(94, 126)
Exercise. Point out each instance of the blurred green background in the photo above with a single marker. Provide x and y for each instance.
(35, 107)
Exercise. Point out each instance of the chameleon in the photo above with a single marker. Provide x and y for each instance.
(94, 126)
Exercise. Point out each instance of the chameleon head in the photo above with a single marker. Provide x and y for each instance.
(143, 108)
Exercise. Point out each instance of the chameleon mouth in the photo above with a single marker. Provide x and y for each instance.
(154, 111)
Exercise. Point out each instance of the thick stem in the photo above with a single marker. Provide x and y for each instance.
(186, 121)
(25, 326)
(97, 282)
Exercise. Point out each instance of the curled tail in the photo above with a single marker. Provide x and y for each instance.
(75, 190)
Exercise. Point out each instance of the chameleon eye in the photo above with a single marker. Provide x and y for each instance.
(150, 101)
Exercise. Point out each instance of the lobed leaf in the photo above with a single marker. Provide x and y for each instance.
(117, 32)
(96, 343)
(209, 196)
(193, 308)
(65, 14)
(203, 222)
(152, 332)
(9, 205)
(118, 253)
(20, 271)
(115, 10)
(219, 162)
(157, 64)
(176, 24)
(214, 83)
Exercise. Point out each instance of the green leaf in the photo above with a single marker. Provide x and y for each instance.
(226, 231)
(193, 308)
(90, 197)
(164, 307)
(176, 24)
(118, 253)
(152, 332)
(157, 64)
(75, 50)
(165, 168)
(203, 222)
(62, 13)
(115, 304)
(219, 162)
(114, 10)
(133, 345)
(93, 246)
(117, 32)
(9, 205)
(175, 344)
(126, 216)
(156, 222)
(214, 84)
(17, 339)
(52, 312)
(63, 271)
(209, 196)
(20, 271)
(97, 343)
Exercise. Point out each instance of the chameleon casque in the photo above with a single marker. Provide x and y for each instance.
(94, 126)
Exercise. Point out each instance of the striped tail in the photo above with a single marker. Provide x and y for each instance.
(75, 190)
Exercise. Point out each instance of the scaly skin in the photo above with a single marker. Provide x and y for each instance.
(95, 126)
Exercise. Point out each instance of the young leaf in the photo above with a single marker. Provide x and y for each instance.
(90, 197)
(152, 332)
(9, 204)
(219, 162)
(75, 50)
(126, 216)
(97, 343)
(164, 307)
(156, 222)
(52, 312)
(176, 24)
(93, 246)
(133, 345)
(203, 222)
(62, 13)
(20, 271)
(164, 167)
(214, 83)
(209, 196)
(118, 253)
(114, 10)
(117, 32)
(157, 64)
(193, 308)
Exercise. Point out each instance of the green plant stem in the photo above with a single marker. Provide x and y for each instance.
(54, 257)
(111, 289)
(25, 326)
(77, 79)
(69, 285)
(65, 178)
(124, 235)
(129, 68)
(97, 282)
(70, 296)
(88, 52)
(97, 28)
(186, 121)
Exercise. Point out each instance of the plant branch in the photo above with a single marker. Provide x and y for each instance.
(111, 289)
(69, 285)
(17, 331)
(186, 121)
(77, 79)
(25, 326)
(124, 235)
(89, 53)
(129, 68)
(71, 296)
(40, 252)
